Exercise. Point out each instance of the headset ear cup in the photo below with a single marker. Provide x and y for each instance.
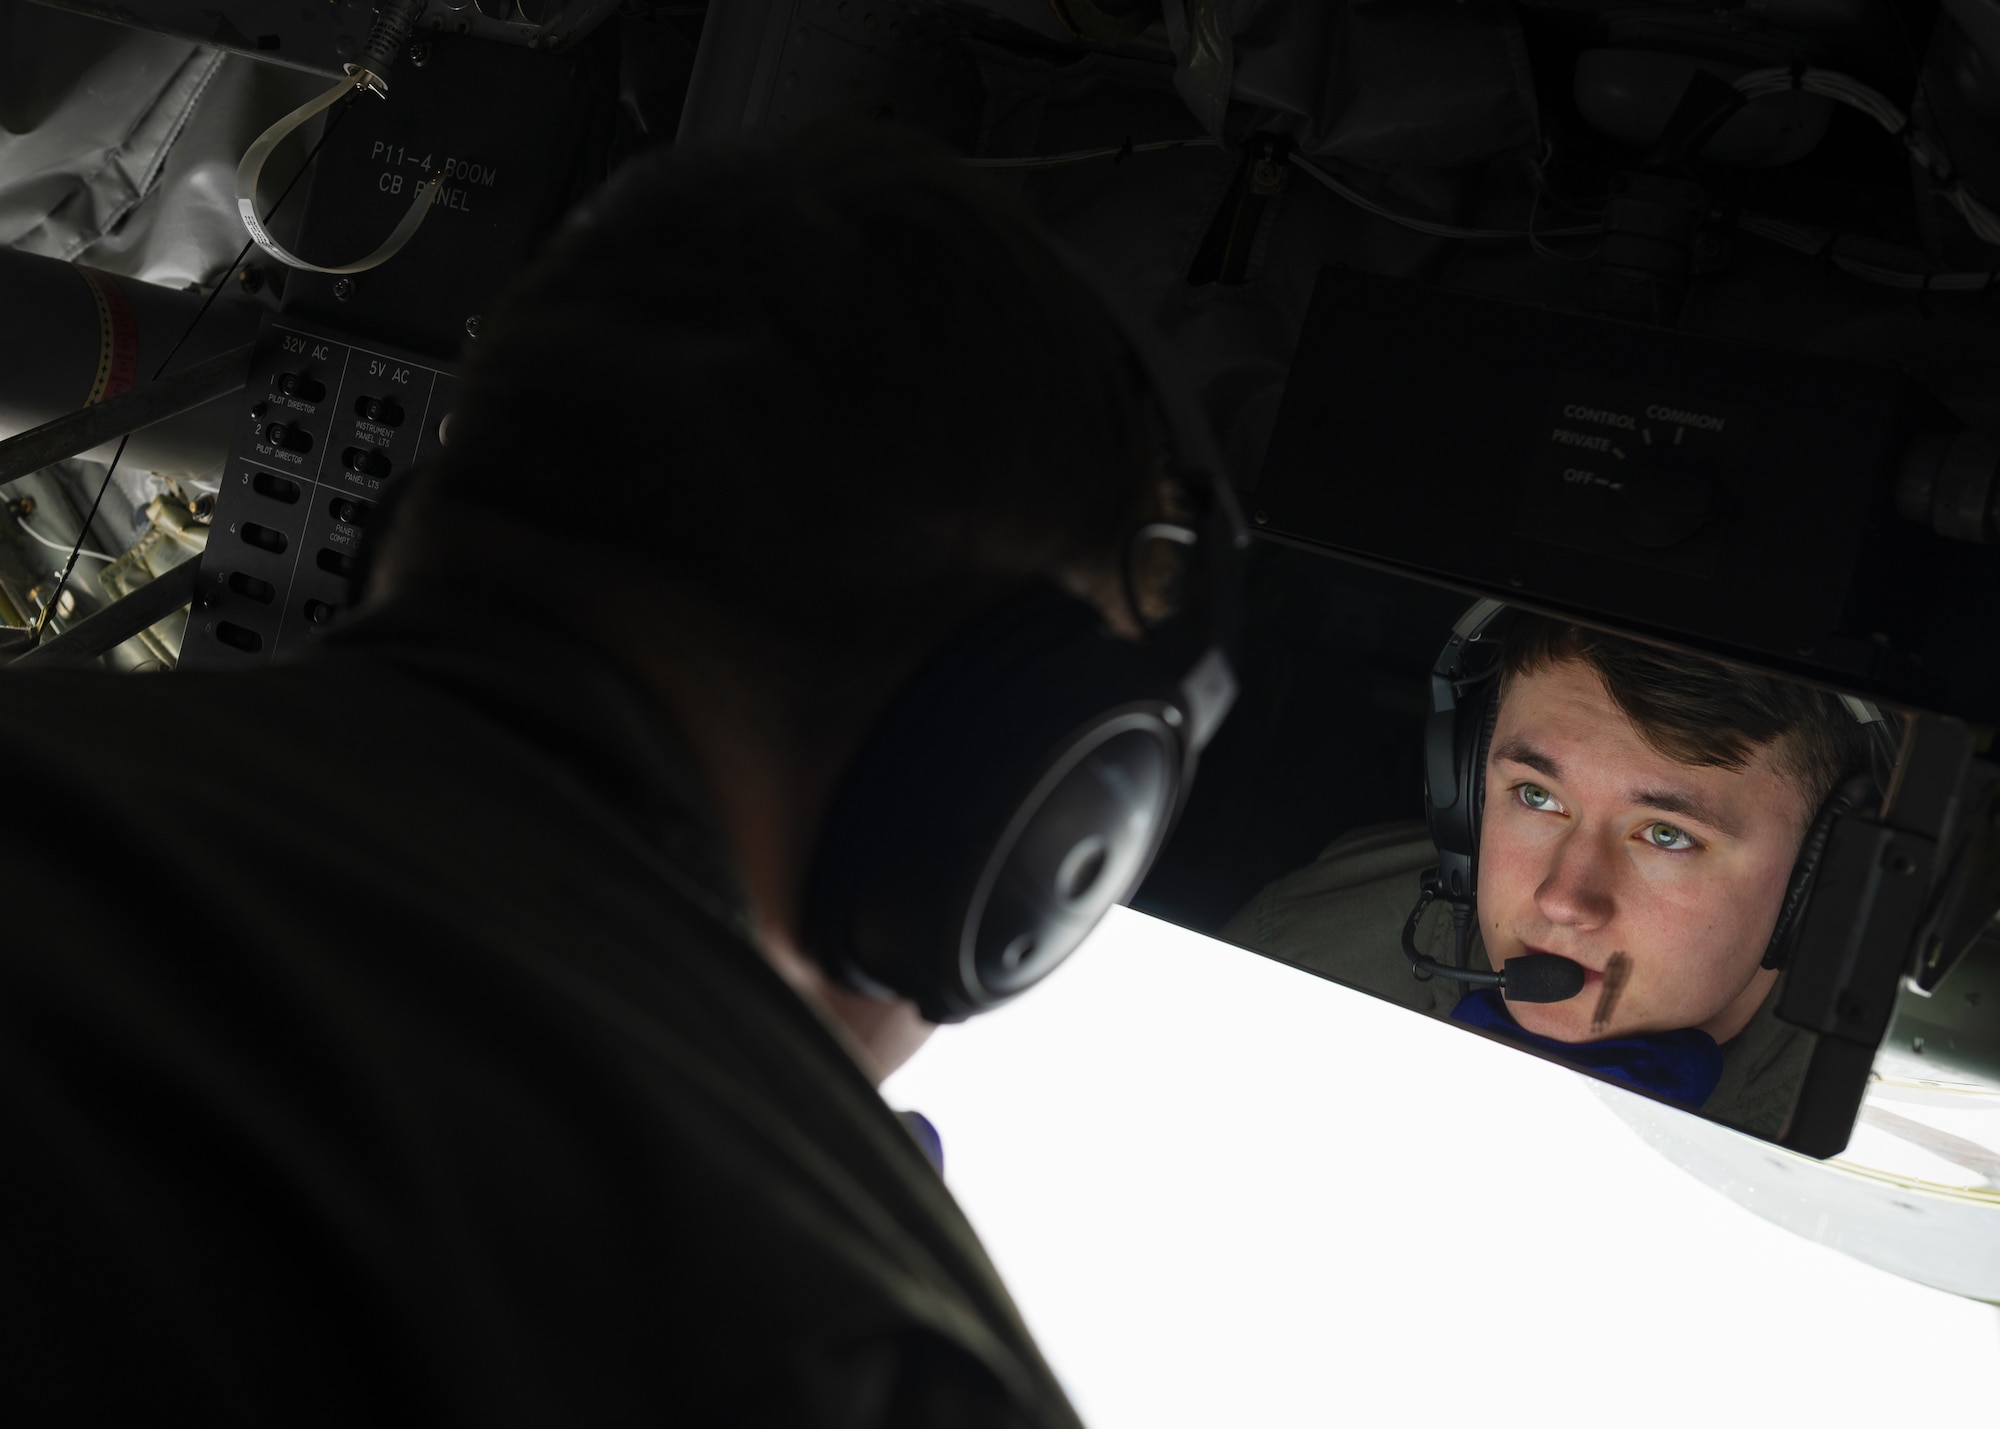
(1020, 784)
(1847, 795)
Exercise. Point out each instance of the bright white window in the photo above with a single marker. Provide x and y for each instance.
(1226, 1193)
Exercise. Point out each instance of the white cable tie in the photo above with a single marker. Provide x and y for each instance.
(251, 169)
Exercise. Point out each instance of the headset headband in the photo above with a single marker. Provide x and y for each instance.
(1025, 779)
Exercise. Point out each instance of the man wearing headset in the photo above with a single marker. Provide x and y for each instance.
(1643, 815)
(479, 1021)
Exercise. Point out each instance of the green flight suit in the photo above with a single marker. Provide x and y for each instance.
(1342, 915)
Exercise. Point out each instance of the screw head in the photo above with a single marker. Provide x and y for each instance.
(343, 289)
(249, 277)
(419, 53)
(1261, 518)
(472, 326)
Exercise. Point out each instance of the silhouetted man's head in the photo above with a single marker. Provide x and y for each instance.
(765, 426)
(817, 400)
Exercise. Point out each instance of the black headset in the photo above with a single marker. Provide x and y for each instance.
(1023, 781)
(1464, 706)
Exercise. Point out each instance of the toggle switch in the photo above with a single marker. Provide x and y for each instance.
(380, 410)
(287, 437)
(366, 461)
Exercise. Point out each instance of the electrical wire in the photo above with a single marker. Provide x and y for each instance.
(1542, 250)
(1837, 249)
(1352, 195)
(1844, 89)
(1547, 190)
(1437, 230)
(1755, 85)
(76, 551)
(35, 535)
(1079, 156)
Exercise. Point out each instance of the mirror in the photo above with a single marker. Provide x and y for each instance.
(1638, 860)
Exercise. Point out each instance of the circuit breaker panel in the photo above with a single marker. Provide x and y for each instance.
(327, 425)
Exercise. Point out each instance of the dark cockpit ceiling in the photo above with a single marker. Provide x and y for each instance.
(1213, 161)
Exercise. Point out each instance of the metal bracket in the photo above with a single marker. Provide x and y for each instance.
(1874, 891)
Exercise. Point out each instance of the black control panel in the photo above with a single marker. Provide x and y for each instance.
(328, 424)
(1733, 498)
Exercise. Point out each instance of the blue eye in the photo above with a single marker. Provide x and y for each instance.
(1536, 797)
(1666, 836)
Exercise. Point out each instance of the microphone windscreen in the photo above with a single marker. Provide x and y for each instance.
(1541, 977)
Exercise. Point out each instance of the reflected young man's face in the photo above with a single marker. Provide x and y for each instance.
(1594, 843)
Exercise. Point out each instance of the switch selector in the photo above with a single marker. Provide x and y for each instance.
(366, 461)
(380, 410)
(287, 437)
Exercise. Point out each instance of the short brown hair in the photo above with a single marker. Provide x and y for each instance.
(1697, 711)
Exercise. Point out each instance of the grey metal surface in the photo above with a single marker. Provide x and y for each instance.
(119, 621)
(318, 38)
(186, 232)
(51, 346)
(321, 38)
(333, 423)
(109, 420)
(118, 150)
(118, 147)
(1952, 1032)
(1916, 1219)
(90, 113)
(37, 534)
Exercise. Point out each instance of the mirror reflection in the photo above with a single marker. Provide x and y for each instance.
(1578, 843)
